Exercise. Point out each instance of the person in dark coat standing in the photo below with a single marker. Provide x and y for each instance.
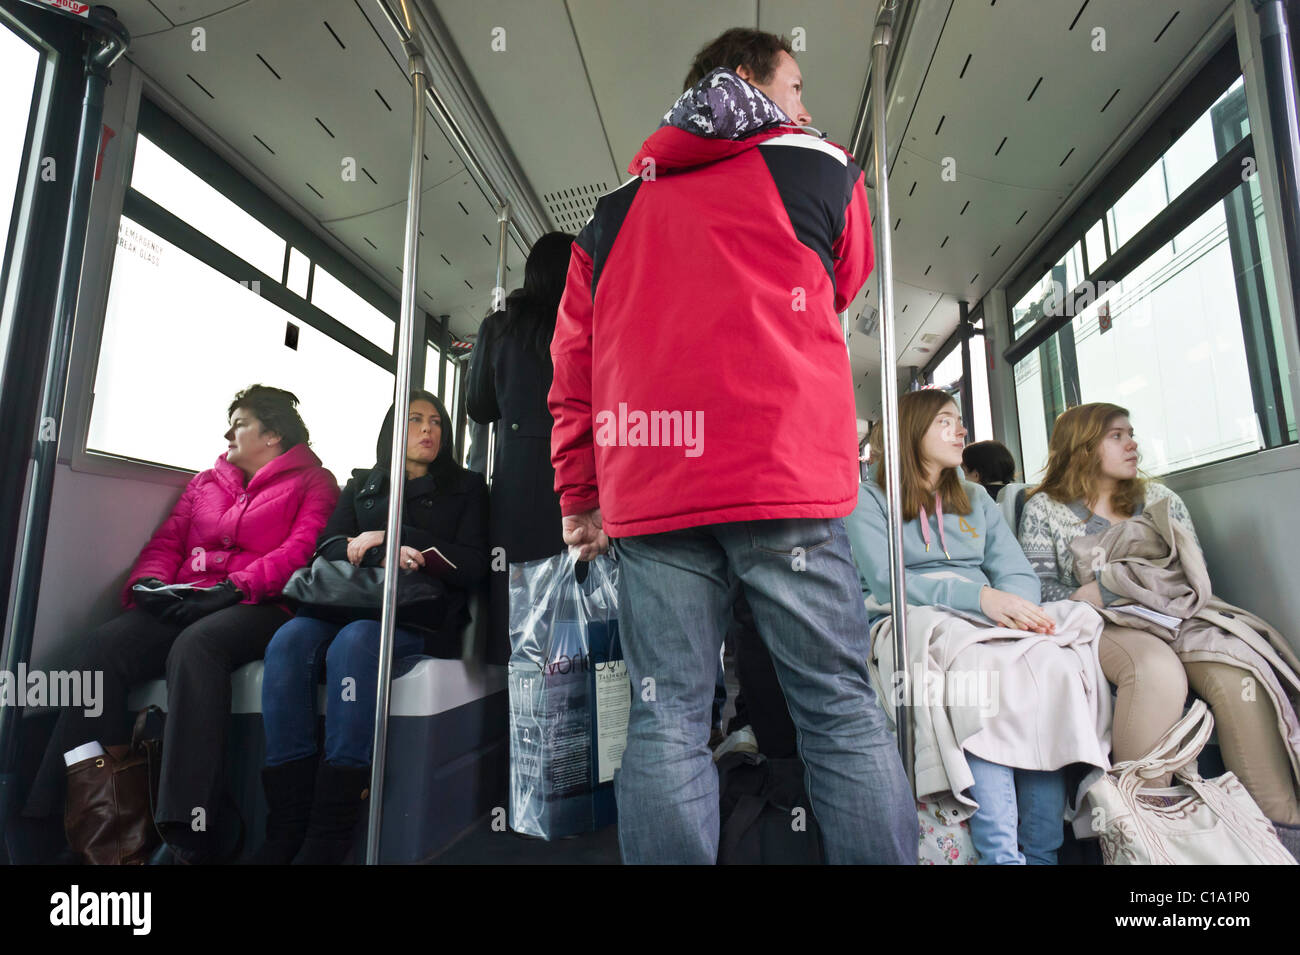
(509, 378)
(314, 803)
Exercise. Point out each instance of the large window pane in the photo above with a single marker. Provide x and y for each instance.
(432, 363)
(1188, 341)
(1033, 418)
(174, 187)
(979, 373)
(18, 64)
(332, 296)
(948, 375)
(180, 339)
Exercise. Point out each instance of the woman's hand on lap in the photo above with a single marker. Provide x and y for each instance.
(1016, 613)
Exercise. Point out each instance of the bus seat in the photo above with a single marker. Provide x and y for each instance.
(1011, 501)
(447, 748)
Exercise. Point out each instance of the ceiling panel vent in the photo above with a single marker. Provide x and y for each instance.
(571, 208)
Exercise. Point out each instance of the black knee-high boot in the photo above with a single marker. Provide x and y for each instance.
(341, 794)
(289, 789)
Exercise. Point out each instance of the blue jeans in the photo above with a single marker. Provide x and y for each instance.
(1018, 808)
(803, 587)
(350, 655)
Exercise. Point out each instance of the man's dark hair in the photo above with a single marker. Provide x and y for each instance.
(755, 50)
(276, 409)
(991, 460)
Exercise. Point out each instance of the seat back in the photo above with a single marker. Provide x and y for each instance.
(1011, 501)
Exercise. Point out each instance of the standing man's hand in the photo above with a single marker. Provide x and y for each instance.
(584, 535)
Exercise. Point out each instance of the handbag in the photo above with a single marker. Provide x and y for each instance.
(341, 585)
(940, 842)
(107, 816)
(1199, 822)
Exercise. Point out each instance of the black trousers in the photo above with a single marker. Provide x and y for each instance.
(197, 661)
(761, 701)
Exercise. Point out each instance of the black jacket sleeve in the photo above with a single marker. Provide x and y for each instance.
(480, 388)
(342, 523)
(469, 551)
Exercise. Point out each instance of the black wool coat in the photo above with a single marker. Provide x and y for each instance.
(447, 509)
(508, 383)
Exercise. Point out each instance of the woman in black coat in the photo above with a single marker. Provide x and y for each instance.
(313, 810)
(509, 378)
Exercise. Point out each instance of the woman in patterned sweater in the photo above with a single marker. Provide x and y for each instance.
(1092, 482)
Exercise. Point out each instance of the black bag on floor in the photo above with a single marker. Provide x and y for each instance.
(765, 812)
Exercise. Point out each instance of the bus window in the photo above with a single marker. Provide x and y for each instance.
(1167, 342)
(178, 190)
(948, 374)
(332, 296)
(18, 64)
(180, 339)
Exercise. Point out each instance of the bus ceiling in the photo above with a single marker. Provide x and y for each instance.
(544, 103)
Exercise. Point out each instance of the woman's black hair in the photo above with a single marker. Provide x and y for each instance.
(531, 309)
(992, 460)
(446, 449)
(276, 409)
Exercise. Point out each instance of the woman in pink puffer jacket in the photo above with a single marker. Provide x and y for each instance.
(237, 533)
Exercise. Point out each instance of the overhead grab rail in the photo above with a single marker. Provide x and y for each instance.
(479, 145)
(880, 48)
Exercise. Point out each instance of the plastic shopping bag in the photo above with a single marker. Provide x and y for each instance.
(569, 695)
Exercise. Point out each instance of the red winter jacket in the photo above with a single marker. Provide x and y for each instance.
(256, 536)
(701, 374)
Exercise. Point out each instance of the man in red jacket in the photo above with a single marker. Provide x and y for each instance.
(704, 420)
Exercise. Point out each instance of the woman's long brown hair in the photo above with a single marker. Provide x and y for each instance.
(916, 412)
(1074, 466)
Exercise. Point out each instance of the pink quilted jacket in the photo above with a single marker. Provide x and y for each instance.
(255, 535)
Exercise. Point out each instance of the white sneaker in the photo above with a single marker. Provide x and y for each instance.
(742, 740)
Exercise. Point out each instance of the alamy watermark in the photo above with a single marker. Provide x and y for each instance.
(651, 429)
(977, 689)
(59, 688)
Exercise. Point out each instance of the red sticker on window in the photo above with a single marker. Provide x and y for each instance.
(79, 9)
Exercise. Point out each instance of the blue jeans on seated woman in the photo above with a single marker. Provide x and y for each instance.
(1019, 809)
(350, 655)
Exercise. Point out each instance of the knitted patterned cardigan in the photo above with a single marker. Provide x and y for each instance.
(1048, 527)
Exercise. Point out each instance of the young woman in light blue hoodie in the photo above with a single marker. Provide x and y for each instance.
(953, 526)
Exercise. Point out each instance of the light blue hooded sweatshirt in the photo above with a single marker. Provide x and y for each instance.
(981, 550)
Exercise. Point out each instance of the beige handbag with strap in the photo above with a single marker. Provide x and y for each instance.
(1197, 822)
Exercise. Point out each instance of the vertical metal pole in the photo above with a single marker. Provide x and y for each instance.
(889, 375)
(397, 461)
(103, 50)
(967, 385)
(498, 304)
(503, 223)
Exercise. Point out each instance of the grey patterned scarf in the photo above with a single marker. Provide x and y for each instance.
(723, 106)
